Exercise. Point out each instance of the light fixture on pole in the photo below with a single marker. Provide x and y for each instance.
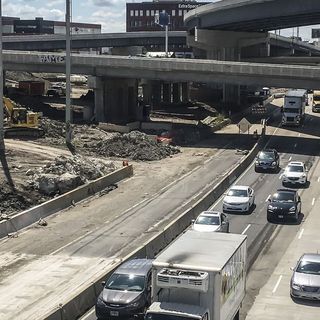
(68, 74)
(1, 86)
(163, 19)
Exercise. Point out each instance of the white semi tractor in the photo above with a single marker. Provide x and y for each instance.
(200, 276)
(293, 111)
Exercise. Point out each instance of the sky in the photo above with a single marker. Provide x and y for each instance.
(109, 13)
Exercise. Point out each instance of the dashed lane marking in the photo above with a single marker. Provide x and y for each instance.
(300, 234)
(277, 285)
(246, 229)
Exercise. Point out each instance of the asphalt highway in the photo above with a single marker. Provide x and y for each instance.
(301, 144)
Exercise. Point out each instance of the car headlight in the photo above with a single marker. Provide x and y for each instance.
(296, 286)
(100, 301)
(135, 304)
(274, 163)
(270, 207)
(293, 208)
(257, 162)
(303, 176)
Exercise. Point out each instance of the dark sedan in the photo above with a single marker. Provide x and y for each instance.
(267, 159)
(284, 204)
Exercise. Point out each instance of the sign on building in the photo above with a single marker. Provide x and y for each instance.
(315, 33)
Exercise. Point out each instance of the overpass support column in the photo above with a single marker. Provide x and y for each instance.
(96, 83)
(166, 92)
(147, 92)
(156, 94)
(176, 92)
(185, 91)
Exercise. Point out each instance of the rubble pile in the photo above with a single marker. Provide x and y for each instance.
(134, 145)
(67, 173)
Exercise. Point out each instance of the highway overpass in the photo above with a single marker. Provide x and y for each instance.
(169, 69)
(254, 15)
(81, 41)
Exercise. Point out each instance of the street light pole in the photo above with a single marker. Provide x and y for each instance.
(1, 86)
(68, 73)
(167, 36)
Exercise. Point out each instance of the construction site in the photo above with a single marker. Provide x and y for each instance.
(37, 165)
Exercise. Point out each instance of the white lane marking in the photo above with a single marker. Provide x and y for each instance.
(290, 158)
(72, 242)
(281, 175)
(268, 198)
(313, 201)
(295, 145)
(300, 234)
(87, 315)
(277, 285)
(299, 134)
(319, 179)
(246, 229)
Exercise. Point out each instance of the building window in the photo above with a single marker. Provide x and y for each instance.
(141, 13)
(131, 23)
(136, 23)
(157, 12)
(173, 13)
(131, 13)
(148, 13)
(136, 13)
(152, 13)
(180, 13)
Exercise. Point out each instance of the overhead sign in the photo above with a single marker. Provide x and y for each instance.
(162, 19)
(244, 125)
(315, 33)
(50, 58)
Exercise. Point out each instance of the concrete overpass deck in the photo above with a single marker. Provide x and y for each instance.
(168, 69)
(254, 15)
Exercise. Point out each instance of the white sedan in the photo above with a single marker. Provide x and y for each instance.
(238, 198)
(295, 173)
(211, 221)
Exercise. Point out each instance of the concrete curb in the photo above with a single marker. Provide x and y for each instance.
(85, 298)
(30, 216)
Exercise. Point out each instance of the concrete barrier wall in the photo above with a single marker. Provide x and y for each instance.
(83, 301)
(30, 216)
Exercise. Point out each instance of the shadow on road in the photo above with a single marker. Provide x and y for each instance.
(6, 169)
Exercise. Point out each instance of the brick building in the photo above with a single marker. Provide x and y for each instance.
(141, 16)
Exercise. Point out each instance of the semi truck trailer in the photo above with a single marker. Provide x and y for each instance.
(293, 111)
(200, 276)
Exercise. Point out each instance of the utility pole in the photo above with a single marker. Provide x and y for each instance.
(1, 86)
(68, 73)
(167, 40)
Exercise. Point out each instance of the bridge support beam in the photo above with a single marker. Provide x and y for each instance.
(156, 94)
(185, 91)
(176, 97)
(116, 99)
(166, 92)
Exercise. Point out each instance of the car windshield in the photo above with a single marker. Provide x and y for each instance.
(209, 220)
(266, 156)
(295, 168)
(309, 267)
(283, 197)
(125, 282)
(237, 193)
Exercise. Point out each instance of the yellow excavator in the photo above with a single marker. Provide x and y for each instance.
(20, 122)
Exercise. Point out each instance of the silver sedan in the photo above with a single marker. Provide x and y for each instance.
(305, 281)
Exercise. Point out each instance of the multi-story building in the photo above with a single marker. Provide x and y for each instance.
(141, 16)
(13, 26)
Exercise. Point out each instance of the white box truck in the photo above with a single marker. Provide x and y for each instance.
(293, 111)
(200, 276)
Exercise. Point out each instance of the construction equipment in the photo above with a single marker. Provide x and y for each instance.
(20, 122)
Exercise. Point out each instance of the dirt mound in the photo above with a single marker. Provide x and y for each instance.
(11, 200)
(135, 145)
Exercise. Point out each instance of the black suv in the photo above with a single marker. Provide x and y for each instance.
(284, 204)
(267, 159)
